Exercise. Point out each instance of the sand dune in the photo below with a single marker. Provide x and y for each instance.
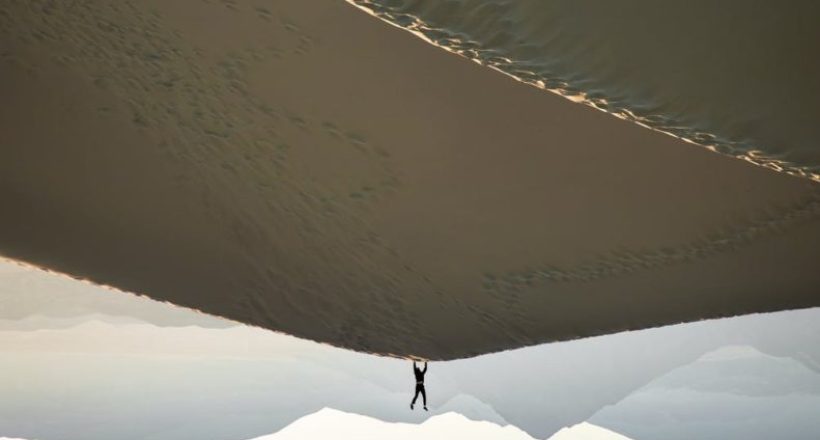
(712, 73)
(307, 168)
(737, 392)
(330, 423)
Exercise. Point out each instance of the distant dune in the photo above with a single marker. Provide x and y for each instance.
(304, 167)
(329, 423)
(732, 393)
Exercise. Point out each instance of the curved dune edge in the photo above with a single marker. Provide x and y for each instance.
(472, 51)
(314, 171)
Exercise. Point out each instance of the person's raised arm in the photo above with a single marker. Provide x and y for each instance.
(425, 367)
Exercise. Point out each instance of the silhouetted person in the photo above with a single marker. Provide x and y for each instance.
(419, 373)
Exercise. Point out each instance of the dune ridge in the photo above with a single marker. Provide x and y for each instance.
(540, 44)
(312, 170)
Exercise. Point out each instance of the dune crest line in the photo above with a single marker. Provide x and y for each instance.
(400, 13)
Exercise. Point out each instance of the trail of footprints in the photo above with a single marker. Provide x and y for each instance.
(516, 290)
(262, 10)
(507, 286)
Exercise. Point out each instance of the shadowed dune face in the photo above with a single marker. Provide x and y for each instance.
(309, 169)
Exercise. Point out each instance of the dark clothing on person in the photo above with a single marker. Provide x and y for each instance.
(419, 373)
(419, 390)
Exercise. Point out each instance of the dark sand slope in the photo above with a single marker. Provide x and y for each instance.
(304, 167)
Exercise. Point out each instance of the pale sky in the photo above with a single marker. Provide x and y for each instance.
(75, 356)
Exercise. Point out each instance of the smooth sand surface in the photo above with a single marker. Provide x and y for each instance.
(307, 168)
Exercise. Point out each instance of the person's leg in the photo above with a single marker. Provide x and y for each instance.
(415, 396)
(424, 397)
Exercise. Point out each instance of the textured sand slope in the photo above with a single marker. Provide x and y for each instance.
(307, 168)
